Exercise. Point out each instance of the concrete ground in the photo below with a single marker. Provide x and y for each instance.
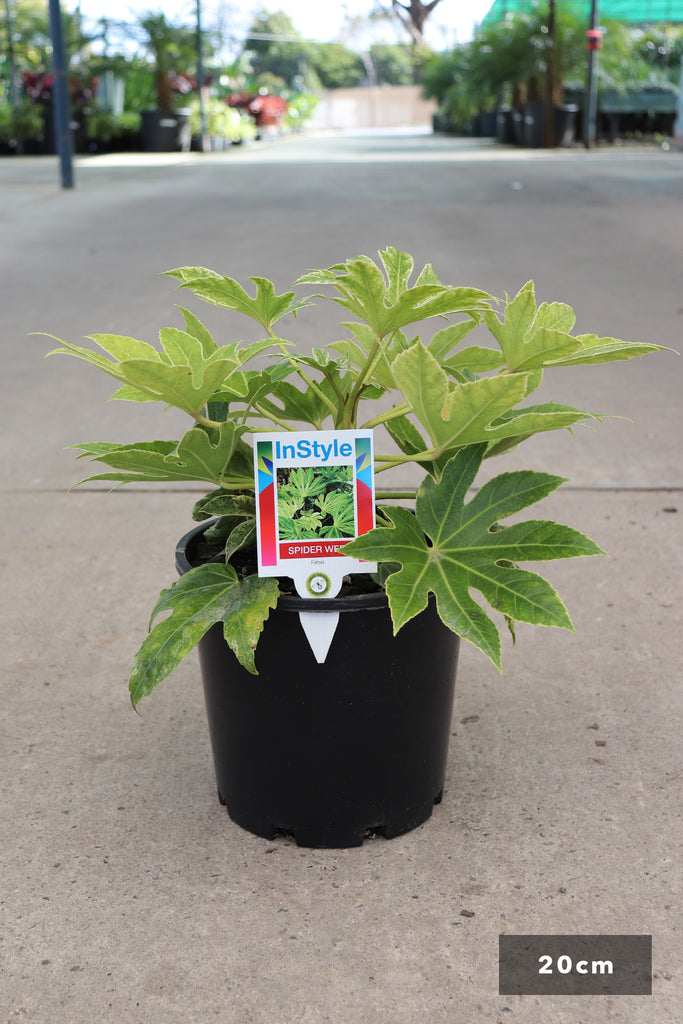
(127, 893)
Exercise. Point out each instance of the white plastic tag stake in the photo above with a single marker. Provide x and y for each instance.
(319, 628)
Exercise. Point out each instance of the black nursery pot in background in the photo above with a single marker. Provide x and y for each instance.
(330, 754)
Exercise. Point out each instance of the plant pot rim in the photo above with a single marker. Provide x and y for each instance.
(286, 602)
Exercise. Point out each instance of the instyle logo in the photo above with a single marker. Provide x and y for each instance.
(311, 449)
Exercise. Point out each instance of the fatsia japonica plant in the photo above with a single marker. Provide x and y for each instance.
(443, 403)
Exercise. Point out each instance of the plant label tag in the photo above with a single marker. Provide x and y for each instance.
(314, 493)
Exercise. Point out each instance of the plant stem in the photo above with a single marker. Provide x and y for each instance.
(273, 419)
(390, 460)
(392, 414)
(305, 378)
(376, 352)
(394, 495)
(244, 483)
(204, 421)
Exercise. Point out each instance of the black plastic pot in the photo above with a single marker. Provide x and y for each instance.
(330, 754)
(517, 126)
(534, 125)
(165, 131)
(486, 125)
(565, 124)
(505, 133)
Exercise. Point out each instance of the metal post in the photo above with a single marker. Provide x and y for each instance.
(678, 125)
(60, 97)
(590, 113)
(13, 96)
(200, 79)
(550, 79)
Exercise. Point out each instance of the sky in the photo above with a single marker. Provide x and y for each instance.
(453, 21)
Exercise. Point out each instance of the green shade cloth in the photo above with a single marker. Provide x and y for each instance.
(632, 11)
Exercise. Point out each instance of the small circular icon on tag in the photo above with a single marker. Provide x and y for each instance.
(318, 584)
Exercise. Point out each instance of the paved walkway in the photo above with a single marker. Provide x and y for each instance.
(127, 893)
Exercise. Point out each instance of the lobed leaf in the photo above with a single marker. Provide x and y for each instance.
(202, 597)
(453, 414)
(476, 358)
(265, 307)
(445, 340)
(201, 454)
(593, 350)
(386, 304)
(224, 503)
(196, 328)
(398, 267)
(450, 547)
(177, 385)
(530, 338)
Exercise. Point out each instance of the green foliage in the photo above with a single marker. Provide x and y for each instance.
(300, 109)
(633, 58)
(458, 85)
(171, 47)
(206, 595)
(281, 60)
(336, 66)
(31, 39)
(507, 61)
(394, 64)
(105, 126)
(446, 399)
(282, 55)
(449, 547)
(24, 122)
(221, 120)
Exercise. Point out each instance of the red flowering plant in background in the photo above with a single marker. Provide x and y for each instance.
(266, 109)
(38, 86)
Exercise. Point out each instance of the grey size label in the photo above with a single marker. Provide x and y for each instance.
(575, 965)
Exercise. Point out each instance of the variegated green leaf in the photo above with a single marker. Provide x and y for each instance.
(410, 441)
(183, 349)
(427, 275)
(224, 503)
(202, 597)
(555, 316)
(265, 307)
(242, 536)
(115, 345)
(196, 328)
(177, 385)
(445, 340)
(201, 454)
(398, 267)
(450, 547)
(476, 358)
(531, 338)
(595, 350)
(453, 414)
(366, 292)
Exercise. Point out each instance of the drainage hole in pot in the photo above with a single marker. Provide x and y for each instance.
(376, 830)
(284, 833)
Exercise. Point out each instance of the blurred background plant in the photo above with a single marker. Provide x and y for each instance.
(120, 69)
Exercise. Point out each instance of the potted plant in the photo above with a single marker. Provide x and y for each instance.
(166, 129)
(225, 126)
(333, 751)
